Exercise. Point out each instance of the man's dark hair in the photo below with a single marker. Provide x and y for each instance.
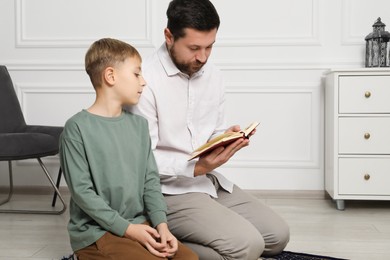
(200, 15)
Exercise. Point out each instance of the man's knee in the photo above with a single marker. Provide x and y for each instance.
(244, 245)
(247, 245)
(204, 252)
(255, 246)
(278, 241)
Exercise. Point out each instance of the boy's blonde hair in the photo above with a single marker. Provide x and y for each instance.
(105, 53)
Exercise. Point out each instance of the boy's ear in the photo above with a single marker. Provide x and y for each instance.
(109, 76)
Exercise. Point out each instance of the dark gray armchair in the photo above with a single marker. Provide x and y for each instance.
(19, 141)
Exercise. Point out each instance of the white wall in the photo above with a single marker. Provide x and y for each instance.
(273, 54)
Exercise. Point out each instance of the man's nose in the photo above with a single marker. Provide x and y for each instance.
(201, 56)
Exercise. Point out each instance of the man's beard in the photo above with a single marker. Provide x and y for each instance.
(187, 68)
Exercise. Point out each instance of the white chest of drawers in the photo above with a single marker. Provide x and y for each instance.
(357, 135)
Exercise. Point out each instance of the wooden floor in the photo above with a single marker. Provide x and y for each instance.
(360, 232)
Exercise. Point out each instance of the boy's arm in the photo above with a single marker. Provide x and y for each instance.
(78, 178)
(156, 209)
(154, 202)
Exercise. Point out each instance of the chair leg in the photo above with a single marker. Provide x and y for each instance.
(53, 204)
(51, 212)
(11, 184)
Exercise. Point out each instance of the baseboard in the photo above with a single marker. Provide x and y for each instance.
(263, 194)
(289, 194)
(36, 190)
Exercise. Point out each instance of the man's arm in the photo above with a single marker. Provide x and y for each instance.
(221, 155)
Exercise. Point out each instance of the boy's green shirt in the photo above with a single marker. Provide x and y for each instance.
(111, 174)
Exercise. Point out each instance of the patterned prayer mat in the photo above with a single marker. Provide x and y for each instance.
(286, 255)
(69, 257)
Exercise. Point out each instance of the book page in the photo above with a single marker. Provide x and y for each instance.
(250, 128)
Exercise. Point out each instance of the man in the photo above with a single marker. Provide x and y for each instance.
(184, 104)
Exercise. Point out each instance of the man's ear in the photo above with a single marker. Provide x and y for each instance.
(109, 76)
(168, 36)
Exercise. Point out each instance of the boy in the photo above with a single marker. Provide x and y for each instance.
(110, 169)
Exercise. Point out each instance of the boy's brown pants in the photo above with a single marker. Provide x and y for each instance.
(110, 246)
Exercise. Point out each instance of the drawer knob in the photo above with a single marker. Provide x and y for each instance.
(367, 176)
(367, 136)
(367, 94)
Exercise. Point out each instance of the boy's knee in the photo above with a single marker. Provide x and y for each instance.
(186, 253)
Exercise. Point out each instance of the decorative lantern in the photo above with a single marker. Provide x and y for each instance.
(377, 48)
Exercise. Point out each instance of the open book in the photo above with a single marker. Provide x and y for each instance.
(223, 140)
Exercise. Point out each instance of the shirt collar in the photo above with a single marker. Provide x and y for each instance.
(169, 67)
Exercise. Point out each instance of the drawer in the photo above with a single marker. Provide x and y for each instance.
(364, 135)
(364, 94)
(364, 176)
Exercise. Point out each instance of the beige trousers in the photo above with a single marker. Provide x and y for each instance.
(233, 226)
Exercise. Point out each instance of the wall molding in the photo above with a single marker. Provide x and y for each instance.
(23, 90)
(311, 88)
(20, 65)
(312, 39)
(299, 88)
(22, 41)
(284, 65)
(237, 65)
(347, 39)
